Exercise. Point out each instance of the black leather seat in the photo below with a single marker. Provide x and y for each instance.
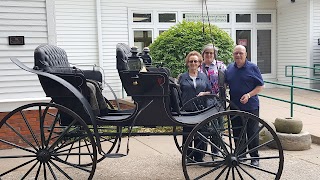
(54, 60)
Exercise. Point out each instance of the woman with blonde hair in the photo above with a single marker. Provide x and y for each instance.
(193, 83)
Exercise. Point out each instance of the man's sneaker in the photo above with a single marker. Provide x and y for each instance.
(255, 162)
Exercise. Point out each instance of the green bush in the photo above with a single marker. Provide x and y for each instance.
(172, 46)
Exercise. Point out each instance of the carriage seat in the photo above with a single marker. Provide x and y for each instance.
(54, 60)
(123, 53)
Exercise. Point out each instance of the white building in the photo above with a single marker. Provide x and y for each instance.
(276, 32)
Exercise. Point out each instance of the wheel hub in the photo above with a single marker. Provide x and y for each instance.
(43, 155)
(232, 161)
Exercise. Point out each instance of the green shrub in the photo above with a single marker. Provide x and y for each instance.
(172, 46)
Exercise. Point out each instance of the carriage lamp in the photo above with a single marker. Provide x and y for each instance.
(134, 62)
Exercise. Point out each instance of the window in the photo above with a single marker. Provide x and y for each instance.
(264, 51)
(264, 18)
(167, 17)
(142, 38)
(243, 37)
(138, 17)
(243, 18)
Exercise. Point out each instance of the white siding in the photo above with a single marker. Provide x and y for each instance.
(20, 18)
(76, 29)
(115, 21)
(315, 36)
(293, 38)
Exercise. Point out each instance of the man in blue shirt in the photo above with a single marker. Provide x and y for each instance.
(245, 82)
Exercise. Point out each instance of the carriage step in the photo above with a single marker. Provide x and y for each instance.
(114, 155)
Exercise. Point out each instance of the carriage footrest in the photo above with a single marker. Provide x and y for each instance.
(114, 155)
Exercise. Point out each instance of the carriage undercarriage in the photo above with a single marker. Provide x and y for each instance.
(69, 142)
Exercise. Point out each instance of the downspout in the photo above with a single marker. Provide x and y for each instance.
(51, 22)
(100, 47)
(99, 35)
(310, 48)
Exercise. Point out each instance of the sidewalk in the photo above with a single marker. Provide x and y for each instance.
(271, 109)
(157, 158)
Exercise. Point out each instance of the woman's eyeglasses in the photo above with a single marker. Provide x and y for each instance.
(193, 61)
(208, 53)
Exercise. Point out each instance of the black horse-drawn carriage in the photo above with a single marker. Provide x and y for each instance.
(64, 139)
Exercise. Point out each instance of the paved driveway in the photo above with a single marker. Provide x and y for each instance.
(156, 157)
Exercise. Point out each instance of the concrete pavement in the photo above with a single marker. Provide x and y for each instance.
(272, 109)
(157, 158)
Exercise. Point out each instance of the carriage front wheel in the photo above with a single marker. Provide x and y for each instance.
(36, 146)
(239, 149)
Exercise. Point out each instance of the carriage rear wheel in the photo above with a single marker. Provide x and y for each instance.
(40, 148)
(237, 157)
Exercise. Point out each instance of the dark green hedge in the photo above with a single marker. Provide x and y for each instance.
(173, 45)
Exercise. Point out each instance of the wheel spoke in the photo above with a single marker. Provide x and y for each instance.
(69, 150)
(257, 147)
(60, 170)
(239, 173)
(70, 143)
(72, 165)
(52, 127)
(18, 134)
(38, 171)
(229, 138)
(227, 176)
(258, 168)
(72, 154)
(15, 168)
(79, 151)
(241, 137)
(209, 172)
(62, 134)
(42, 116)
(220, 174)
(224, 151)
(251, 139)
(30, 129)
(88, 150)
(51, 171)
(18, 156)
(44, 171)
(17, 146)
(233, 175)
(33, 166)
(246, 172)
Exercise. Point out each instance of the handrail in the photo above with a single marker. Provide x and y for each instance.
(292, 86)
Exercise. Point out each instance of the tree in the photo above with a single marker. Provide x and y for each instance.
(172, 46)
